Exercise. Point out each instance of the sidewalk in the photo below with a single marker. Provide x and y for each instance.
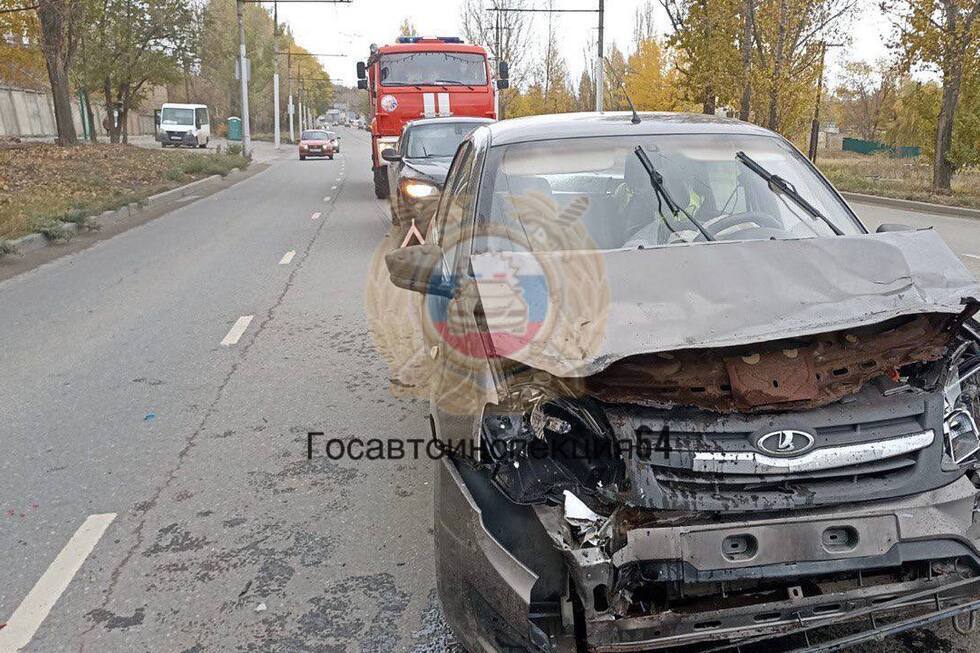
(262, 151)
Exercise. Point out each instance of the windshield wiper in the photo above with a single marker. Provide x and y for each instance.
(657, 181)
(452, 82)
(779, 185)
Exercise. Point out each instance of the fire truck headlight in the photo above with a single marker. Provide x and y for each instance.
(419, 189)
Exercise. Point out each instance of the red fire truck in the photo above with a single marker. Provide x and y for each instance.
(422, 77)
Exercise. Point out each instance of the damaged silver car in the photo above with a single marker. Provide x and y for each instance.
(687, 400)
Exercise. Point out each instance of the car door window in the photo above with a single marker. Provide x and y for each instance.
(456, 204)
(202, 117)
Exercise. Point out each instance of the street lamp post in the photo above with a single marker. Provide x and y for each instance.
(275, 74)
(243, 70)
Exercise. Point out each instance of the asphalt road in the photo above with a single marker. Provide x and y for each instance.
(117, 397)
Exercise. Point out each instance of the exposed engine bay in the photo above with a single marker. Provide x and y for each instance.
(682, 518)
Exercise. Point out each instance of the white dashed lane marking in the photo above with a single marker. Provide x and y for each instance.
(287, 257)
(26, 619)
(315, 216)
(237, 330)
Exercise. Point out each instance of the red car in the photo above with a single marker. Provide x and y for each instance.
(317, 142)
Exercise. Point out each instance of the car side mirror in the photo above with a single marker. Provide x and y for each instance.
(361, 70)
(362, 84)
(503, 83)
(391, 155)
(888, 226)
(418, 268)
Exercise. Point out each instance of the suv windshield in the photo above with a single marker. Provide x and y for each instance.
(442, 139)
(175, 116)
(310, 135)
(620, 207)
(433, 68)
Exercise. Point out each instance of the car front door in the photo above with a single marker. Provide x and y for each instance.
(459, 382)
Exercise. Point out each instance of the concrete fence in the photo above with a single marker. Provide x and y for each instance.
(25, 113)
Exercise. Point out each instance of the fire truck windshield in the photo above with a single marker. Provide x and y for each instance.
(433, 68)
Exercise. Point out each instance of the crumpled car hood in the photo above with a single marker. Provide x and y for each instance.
(592, 308)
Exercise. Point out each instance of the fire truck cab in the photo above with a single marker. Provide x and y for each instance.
(421, 77)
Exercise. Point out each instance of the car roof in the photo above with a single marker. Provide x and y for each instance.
(177, 105)
(448, 119)
(619, 123)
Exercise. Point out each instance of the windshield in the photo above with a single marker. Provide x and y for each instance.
(619, 207)
(315, 135)
(433, 68)
(175, 116)
(424, 141)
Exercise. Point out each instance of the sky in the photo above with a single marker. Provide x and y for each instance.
(349, 29)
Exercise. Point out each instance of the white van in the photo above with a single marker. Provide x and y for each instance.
(184, 124)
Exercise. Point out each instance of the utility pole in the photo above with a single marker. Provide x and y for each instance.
(290, 109)
(497, 45)
(275, 74)
(600, 84)
(815, 124)
(246, 133)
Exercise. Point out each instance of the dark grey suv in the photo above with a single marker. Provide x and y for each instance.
(686, 398)
(418, 164)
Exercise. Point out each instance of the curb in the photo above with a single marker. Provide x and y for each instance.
(181, 191)
(35, 241)
(912, 205)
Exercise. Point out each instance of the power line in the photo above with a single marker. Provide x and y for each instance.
(545, 11)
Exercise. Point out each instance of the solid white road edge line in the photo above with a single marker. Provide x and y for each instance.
(237, 330)
(287, 257)
(32, 611)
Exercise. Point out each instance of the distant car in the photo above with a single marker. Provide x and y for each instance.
(317, 142)
(417, 167)
(335, 139)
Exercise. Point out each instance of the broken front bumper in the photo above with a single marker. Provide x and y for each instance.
(504, 583)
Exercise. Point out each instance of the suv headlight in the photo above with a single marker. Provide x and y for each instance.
(417, 190)
(962, 438)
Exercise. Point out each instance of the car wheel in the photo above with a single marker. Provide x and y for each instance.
(302, 158)
(381, 183)
(331, 157)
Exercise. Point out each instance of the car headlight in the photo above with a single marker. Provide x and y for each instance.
(418, 189)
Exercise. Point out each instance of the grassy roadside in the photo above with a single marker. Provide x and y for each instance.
(907, 179)
(42, 185)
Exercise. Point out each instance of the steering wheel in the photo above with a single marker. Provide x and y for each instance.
(755, 218)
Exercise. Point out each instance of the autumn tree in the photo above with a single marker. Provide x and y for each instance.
(505, 35)
(944, 36)
(407, 28)
(60, 24)
(21, 61)
(789, 37)
(130, 45)
(614, 97)
(914, 123)
(705, 34)
(866, 94)
(650, 81)
(586, 91)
